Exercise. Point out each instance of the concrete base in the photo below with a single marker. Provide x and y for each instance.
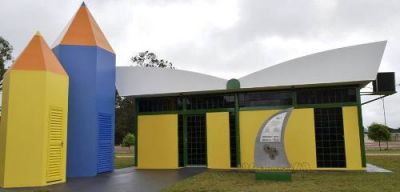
(128, 179)
(375, 169)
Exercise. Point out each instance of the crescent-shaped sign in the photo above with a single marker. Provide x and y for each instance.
(269, 149)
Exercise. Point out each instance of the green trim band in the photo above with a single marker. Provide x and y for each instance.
(248, 108)
(361, 128)
(328, 105)
(158, 113)
(208, 111)
(237, 127)
(264, 108)
(135, 129)
(184, 111)
(185, 154)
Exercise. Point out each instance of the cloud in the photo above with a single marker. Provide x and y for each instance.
(226, 38)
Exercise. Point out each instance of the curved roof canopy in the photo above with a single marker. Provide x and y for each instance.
(152, 80)
(354, 64)
(349, 65)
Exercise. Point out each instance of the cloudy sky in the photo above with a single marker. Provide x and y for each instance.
(225, 38)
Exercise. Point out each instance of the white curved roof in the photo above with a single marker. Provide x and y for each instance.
(349, 65)
(131, 81)
(357, 63)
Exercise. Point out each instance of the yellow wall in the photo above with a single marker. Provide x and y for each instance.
(218, 148)
(352, 138)
(158, 141)
(25, 123)
(25, 130)
(3, 130)
(300, 139)
(249, 124)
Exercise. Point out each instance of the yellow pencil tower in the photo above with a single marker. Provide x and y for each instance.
(34, 119)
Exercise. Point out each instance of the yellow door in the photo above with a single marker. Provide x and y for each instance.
(218, 144)
(55, 145)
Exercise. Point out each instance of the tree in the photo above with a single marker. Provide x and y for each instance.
(149, 59)
(125, 106)
(124, 117)
(5, 55)
(128, 140)
(378, 132)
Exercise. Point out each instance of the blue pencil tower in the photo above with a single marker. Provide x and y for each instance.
(89, 60)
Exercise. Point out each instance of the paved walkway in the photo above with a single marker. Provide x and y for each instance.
(124, 180)
(375, 169)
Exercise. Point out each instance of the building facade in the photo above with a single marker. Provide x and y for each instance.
(191, 119)
(219, 130)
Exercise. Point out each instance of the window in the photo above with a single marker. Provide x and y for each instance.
(258, 99)
(180, 141)
(158, 104)
(196, 140)
(210, 102)
(326, 95)
(232, 139)
(329, 137)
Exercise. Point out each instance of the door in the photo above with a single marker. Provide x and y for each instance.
(55, 145)
(329, 137)
(196, 142)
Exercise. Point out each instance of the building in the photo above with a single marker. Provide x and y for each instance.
(33, 132)
(89, 60)
(312, 103)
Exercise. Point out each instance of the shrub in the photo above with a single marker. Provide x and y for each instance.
(128, 140)
(378, 132)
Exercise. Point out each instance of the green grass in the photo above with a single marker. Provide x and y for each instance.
(123, 162)
(376, 151)
(309, 181)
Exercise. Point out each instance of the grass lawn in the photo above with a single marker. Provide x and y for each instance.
(310, 181)
(123, 161)
(376, 151)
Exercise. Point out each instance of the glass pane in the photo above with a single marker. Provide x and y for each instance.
(259, 99)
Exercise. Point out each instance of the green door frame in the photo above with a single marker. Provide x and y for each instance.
(185, 136)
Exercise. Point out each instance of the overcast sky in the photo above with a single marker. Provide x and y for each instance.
(224, 38)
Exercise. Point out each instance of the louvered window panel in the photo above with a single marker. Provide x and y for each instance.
(105, 145)
(55, 145)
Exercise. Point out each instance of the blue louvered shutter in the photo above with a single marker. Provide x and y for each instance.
(105, 145)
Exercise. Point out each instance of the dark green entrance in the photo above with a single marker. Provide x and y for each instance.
(196, 144)
(329, 137)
